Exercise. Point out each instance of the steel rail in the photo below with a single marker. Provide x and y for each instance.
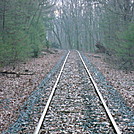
(101, 98)
(50, 98)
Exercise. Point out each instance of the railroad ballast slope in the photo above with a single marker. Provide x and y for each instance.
(113, 98)
(14, 90)
(121, 80)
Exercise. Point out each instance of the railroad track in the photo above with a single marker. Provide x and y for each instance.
(75, 104)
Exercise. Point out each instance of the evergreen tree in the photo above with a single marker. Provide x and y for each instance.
(22, 29)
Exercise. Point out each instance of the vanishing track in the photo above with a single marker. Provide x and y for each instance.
(75, 104)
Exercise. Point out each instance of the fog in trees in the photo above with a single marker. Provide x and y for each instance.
(90, 24)
(28, 26)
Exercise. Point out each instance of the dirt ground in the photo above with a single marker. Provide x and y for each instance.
(121, 80)
(15, 89)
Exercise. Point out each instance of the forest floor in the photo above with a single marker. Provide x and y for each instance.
(121, 80)
(15, 88)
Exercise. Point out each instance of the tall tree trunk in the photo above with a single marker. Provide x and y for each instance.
(3, 20)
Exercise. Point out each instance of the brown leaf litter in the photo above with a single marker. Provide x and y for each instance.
(121, 80)
(15, 89)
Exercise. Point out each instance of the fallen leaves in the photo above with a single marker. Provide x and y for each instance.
(15, 90)
(120, 80)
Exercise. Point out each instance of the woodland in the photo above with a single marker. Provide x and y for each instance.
(29, 26)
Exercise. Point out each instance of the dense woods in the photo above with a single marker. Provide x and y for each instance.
(97, 25)
(34, 37)
(27, 26)
(22, 29)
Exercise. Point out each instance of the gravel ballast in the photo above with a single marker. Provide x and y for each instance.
(117, 104)
(121, 80)
(16, 90)
(75, 108)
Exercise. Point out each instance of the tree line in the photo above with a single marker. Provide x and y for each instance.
(22, 29)
(27, 26)
(91, 24)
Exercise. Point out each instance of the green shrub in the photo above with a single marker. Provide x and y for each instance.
(125, 49)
